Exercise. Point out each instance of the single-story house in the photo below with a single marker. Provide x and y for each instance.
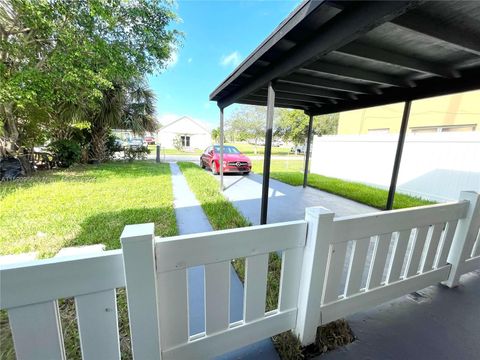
(191, 133)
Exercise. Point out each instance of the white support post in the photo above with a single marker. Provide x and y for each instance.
(464, 238)
(138, 243)
(312, 279)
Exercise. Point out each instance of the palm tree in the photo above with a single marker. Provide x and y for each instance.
(124, 106)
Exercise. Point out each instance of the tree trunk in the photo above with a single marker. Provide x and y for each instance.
(99, 139)
(10, 146)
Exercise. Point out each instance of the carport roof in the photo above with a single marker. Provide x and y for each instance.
(332, 56)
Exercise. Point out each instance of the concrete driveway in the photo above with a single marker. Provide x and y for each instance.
(286, 202)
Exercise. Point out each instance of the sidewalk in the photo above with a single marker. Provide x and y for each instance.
(192, 219)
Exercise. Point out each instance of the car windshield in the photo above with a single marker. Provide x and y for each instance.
(227, 149)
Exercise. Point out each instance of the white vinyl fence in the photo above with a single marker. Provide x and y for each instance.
(399, 251)
(434, 166)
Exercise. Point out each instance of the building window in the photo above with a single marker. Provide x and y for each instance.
(185, 140)
(447, 128)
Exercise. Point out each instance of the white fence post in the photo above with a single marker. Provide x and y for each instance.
(315, 257)
(141, 283)
(464, 238)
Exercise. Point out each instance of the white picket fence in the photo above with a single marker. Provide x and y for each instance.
(331, 267)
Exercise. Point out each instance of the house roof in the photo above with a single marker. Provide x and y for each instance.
(197, 122)
(331, 56)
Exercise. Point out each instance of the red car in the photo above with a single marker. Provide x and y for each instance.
(233, 160)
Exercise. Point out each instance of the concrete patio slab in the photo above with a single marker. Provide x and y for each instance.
(435, 323)
(286, 202)
(192, 219)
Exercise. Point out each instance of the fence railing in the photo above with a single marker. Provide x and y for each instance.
(331, 267)
(30, 291)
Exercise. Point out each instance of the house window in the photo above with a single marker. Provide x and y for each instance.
(185, 140)
(447, 128)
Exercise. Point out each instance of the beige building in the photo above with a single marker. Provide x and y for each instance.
(451, 113)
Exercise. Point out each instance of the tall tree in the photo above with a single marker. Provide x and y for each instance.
(125, 106)
(248, 123)
(55, 52)
(216, 134)
(292, 125)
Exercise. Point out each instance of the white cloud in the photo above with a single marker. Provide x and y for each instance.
(190, 60)
(232, 59)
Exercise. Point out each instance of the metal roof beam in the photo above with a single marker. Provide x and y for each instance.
(315, 82)
(359, 74)
(429, 87)
(306, 90)
(388, 57)
(432, 28)
(296, 97)
(257, 102)
(345, 27)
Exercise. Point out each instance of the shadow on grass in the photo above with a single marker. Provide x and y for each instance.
(106, 228)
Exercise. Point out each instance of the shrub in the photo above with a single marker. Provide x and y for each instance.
(177, 143)
(66, 152)
(139, 153)
(112, 145)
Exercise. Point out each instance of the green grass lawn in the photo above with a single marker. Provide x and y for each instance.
(81, 206)
(84, 205)
(220, 212)
(249, 149)
(291, 172)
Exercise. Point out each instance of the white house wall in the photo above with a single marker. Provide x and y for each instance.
(199, 137)
(434, 166)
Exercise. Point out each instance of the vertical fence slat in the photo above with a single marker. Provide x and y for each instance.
(447, 242)
(290, 278)
(217, 296)
(37, 332)
(335, 270)
(416, 255)
(379, 259)
(173, 308)
(465, 237)
(98, 325)
(399, 256)
(432, 247)
(138, 244)
(357, 266)
(312, 279)
(476, 246)
(255, 287)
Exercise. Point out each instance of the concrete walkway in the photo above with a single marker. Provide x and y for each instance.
(286, 202)
(192, 219)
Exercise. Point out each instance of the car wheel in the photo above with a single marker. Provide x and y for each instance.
(202, 165)
(246, 173)
(214, 168)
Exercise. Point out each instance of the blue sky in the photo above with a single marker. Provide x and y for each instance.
(218, 36)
